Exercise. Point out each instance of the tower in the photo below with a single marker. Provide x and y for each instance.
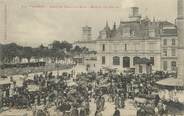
(180, 29)
(86, 33)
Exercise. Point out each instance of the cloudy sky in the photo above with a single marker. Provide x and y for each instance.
(35, 22)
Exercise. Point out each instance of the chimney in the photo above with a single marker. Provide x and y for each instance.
(180, 34)
(134, 14)
(180, 13)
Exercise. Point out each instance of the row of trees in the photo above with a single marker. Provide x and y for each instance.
(57, 50)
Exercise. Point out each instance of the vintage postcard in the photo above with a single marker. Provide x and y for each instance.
(91, 57)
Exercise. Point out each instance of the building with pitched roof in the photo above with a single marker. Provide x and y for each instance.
(152, 41)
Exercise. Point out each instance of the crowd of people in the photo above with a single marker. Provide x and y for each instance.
(72, 93)
(31, 69)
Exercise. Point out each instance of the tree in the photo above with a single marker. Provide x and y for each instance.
(77, 49)
(9, 51)
(28, 53)
(61, 45)
(60, 50)
(56, 45)
(66, 45)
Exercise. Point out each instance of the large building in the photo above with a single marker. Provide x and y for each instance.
(140, 44)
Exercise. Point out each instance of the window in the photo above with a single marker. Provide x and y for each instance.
(140, 69)
(165, 65)
(125, 47)
(173, 52)
(164, 52)
(173, 42)
(116, 60)
(103, 47)
(126, 62)
(173, 65)
(136, 60)
(152, 60)
(132, 33)
(103, 59)
(165, 42)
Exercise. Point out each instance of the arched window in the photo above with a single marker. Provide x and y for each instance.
(152, 59)
(136, 60)
(173, 42)
(126, 62)
(140, 69)
(173, 65)
(116, 60)
(164, 65)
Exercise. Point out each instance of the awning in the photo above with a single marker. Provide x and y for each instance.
(142, 61)
(171, 82)
(109, 68)
(32, 88)
(140, 100)
(175, 108)
(5, 82)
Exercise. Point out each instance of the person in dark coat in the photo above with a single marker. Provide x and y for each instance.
(74, 112)
(102, 103)
(98, 113)
(117, 112)
(82, 112)
(141, 112)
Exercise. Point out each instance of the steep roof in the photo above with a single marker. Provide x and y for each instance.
(144, 29)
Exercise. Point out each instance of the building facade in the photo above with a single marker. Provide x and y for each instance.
(169, 43)
(140, 44)
(122, 54)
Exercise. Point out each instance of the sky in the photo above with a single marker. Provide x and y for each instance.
(35, 22)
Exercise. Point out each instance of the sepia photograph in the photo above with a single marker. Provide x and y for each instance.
(91, 57)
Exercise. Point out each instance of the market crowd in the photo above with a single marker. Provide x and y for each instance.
(72, 93)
